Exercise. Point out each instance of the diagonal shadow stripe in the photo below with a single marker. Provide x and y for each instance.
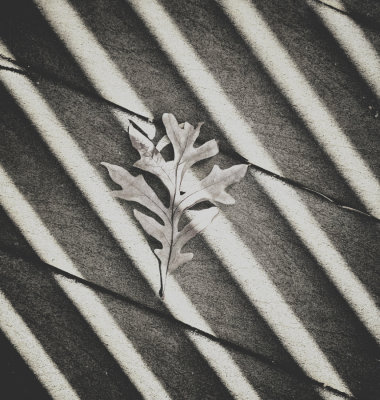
(31, 350)
(56, 173)
(12, 367)
(304, 285)
(31, 71)
(35, 262)
(359, 17)
(36, 73)
(256, 96)
(170, 351)
(63, 334)
(352, 39)
(89, 252)
(132, 242)
(81, 355)
(266, 46)
(86, 301)
(182, 55)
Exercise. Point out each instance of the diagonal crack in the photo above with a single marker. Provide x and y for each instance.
(364, 20)
(34, 73)
(36, 262)
(31, 72)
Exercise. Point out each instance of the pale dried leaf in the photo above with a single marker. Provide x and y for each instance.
(135, 188)
(212, 188)
(183, 138)
(162, 143)
(153, 228)
(151, 159)
(183, 193)
(199, 220)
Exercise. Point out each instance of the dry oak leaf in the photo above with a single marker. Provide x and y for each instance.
(172, 174)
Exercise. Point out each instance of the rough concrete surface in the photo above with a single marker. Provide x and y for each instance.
(301, 266)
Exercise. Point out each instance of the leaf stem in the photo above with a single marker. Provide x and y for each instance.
(173, 224)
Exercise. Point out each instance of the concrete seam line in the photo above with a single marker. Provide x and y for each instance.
(366, 21)
(125, 299)
(145, 119)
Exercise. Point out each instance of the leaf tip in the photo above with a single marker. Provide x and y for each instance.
(199, 126)
(169, 119)
(165, 117)
(151, 134)
(244, 168)
(105, 164)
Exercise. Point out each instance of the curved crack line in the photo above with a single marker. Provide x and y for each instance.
(35, 261)
(365, 20)
(232, 153)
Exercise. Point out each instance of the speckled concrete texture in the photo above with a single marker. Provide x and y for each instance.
(301, 268)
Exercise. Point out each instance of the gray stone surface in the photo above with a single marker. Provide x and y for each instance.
(165, 348)
(296, 273)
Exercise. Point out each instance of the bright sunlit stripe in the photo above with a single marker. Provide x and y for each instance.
(121, 226)
(352, 39)
(211, 94)
(87, 302)
(308, 361)
(200, 80)
(217, 357)
(264, 295)
(208, 90)
(180, 311)
(93, 59)
(318, 243)
(33, 353)
(305, 100)
(8, 64)
(81, 171)
(254, 281)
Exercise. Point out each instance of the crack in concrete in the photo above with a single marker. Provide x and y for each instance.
(28, 70)
(35, 261)
(364, 20)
